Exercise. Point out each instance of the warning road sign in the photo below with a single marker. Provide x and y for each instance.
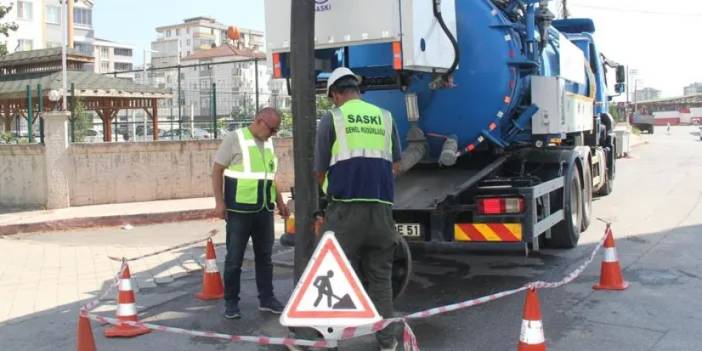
(329, 294)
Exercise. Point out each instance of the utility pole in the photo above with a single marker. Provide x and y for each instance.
(64, 43)
(304, 128)
(565, 13)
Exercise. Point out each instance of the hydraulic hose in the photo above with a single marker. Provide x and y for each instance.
(452, 39)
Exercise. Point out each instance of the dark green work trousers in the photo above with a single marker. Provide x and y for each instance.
(366, 232)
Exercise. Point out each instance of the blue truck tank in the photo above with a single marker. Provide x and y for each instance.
(491, 84)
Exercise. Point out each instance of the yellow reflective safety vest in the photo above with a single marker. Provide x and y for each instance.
(249, 186)
(360, 169)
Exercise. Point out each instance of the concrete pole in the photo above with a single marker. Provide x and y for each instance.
(57, 159)
(304, 128)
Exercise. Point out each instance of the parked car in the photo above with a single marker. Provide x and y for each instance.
(93, 136)
(186, 133)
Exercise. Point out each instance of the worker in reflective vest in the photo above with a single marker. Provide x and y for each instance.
(357, 154)
(243, 181)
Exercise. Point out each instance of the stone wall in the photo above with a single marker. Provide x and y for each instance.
(130, 172)
(22, 176)
(120, 172)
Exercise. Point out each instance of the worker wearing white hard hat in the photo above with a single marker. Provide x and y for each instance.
(339, 73)
(357, 153)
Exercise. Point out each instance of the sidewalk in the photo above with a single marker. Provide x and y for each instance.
(132, 213)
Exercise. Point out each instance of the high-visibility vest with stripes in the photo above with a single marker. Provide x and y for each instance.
(360, 169)
(249, 186)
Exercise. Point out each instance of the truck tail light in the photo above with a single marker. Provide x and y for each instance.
(276, 66)
(396, 55)
(500, 205)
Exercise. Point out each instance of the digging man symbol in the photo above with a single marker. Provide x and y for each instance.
(323, 285)
(324, 288)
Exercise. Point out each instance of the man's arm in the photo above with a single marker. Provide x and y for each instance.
(282, 207)
(218, 190)
(323, 143)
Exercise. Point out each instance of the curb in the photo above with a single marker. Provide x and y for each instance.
(106, 221)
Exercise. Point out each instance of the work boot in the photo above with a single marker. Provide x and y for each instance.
(231, 310)
(271, 305)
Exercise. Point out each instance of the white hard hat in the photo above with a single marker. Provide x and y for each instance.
(339, 73)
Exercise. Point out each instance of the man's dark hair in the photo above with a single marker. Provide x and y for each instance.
(344, 85)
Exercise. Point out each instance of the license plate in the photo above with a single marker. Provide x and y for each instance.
(409, 229)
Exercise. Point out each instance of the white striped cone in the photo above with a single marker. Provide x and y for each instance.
(531, 337)
(212, 287)
(610, 272)
(126, 309)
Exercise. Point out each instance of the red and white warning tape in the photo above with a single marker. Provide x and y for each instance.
(115, 281)
(410, 342)
(409, 339)
(211, 233)
(260, 340)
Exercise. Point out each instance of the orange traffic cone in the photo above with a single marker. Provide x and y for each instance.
(531, 337)
(126, 310)
(212, 287)
(85, 340)
(610, 272)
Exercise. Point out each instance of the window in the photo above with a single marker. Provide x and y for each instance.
(53, 14)
(204, 84)
(168, 33)
(187, 30)
(104, 51)
(83, 17)
(104, 66)
(25, 44)
(123, 52)
(177, 31)
(25, 10)
(84, 48)
(121, 66)
(188, 42)
(53, 44)
(212, 31)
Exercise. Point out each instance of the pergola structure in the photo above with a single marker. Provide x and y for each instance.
(26, 78)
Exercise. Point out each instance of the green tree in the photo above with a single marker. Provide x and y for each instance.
(82, 121)
(5, 28)
(614, 112)
(324, 105)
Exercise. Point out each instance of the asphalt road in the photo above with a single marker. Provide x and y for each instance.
(657, 221)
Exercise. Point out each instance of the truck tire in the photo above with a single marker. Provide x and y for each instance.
(401, 268)
(587, 195)
(566, 233)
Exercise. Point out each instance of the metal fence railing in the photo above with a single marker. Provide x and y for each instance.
(208, 100)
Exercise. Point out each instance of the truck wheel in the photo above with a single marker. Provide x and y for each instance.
(401, 268)
(566, 233)
(587, 195)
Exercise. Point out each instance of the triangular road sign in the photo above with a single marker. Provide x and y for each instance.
(329, 294)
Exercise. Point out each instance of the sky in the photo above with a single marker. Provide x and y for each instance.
(134, 22)
(660, 39)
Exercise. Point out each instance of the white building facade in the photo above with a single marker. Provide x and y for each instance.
(111, 56)
(39, 27)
